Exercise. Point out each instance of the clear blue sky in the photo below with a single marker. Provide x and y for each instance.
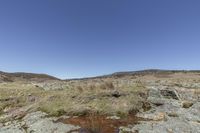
(80, 38)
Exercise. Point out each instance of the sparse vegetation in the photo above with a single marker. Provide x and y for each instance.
(122, 96)
(78, 101)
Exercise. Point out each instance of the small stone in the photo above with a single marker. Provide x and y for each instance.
(7, 123)
(113, 117)
(170, 130)
(159, 117)
(64, 117)
(146, 106)
(23, 123)
(156, 101)
(125, 130)
(169, 94)
(172, 114)
(32, 98)
(116, 94)
(186, 104)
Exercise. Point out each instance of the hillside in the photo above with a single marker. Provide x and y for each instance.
(147, 101)
(156, 72)
(20, 76)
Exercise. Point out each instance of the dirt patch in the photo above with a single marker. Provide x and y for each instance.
(100, 124)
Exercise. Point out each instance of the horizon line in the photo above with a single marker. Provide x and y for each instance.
(102, 75)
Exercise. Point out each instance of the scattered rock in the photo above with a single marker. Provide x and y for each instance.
(146, 106)
(186, 104)
(32, 98)
(159, 117)
(125, 130)
(116, 94)
(169, 94)
(156, 101)
(172, 114)
(113, 117)
(170, 130)
(174, 110)
(177, 120)
(7, 123)
(63, 117)
(175, 125)
(143, 95)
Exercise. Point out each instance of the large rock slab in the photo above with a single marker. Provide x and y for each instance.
(37, 122)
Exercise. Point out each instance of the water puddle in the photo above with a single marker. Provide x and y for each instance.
(100, 124)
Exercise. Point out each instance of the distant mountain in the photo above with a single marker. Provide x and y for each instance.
(147, 71)
(21, 76)
(151, 71)
(140, 73)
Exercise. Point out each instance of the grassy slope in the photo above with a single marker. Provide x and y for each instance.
(77, 100)
(79, 97)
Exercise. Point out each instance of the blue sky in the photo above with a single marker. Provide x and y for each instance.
(80, 38)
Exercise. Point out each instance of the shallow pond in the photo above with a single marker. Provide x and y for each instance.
(100, 124)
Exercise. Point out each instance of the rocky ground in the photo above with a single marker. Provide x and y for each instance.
(173, 110)
(170, 103)
(36, 122)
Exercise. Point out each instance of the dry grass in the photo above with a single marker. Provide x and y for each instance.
(78, 99)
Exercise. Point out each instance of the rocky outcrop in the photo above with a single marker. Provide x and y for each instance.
(169, 114)
(37, 122)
